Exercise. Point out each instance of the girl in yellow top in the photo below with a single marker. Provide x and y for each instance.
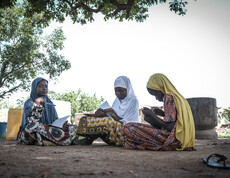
(176, 131)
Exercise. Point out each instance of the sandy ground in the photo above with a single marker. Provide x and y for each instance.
(101, 160)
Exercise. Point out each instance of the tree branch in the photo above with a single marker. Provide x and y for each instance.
(6, 76)
(9, 91)
(3, 69)
(119, 7)
(129, 7)
(92, 10)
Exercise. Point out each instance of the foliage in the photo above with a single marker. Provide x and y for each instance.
(7, 3)
(25, 52)
(226, 113)
(6, 105)
(80, 101)
(178, 7)
(20, 101)
(223, 135)
(82, 11)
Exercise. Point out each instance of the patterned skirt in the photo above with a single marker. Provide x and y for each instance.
(105, 127)
(41, 133)
(146, 137)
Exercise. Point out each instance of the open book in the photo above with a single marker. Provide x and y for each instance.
(59, 122)
(108, 110)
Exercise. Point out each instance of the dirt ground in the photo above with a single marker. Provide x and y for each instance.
(101, 160)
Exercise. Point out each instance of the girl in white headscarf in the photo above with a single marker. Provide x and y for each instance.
(126, 106)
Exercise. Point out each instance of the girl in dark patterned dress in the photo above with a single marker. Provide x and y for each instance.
(175, 131)
(38, 113)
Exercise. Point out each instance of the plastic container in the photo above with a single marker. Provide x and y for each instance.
(14, 123)
(3, 126)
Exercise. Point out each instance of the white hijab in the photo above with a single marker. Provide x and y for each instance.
(128, 108)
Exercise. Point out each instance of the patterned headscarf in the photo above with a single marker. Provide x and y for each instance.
(127, 108)
(48, 116)
(185, 129)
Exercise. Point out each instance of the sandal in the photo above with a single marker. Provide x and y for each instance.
(217, 163)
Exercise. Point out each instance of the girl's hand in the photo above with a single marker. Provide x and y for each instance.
(65, 126)
(158, 111)
(148, 112)
(40, 101)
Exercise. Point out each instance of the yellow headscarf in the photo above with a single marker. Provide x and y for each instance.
(185, 129)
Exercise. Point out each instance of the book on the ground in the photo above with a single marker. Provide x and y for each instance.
(59, 122)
